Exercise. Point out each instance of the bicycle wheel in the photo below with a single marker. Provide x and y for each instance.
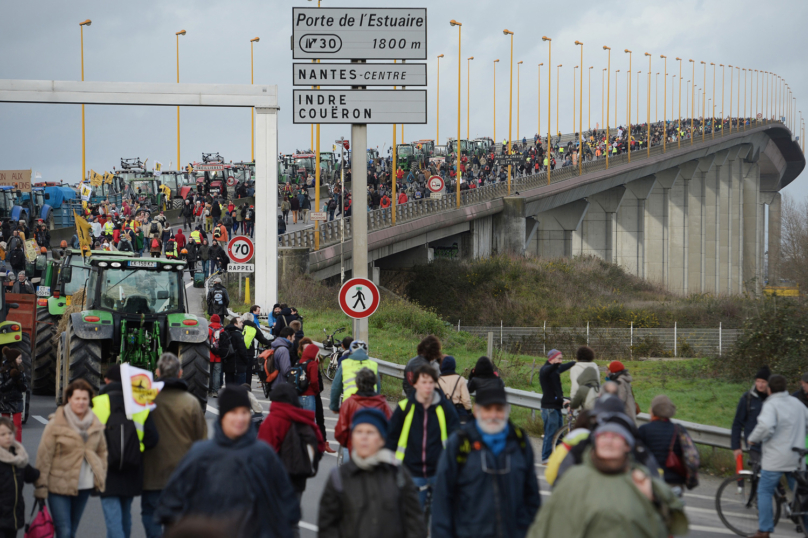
(560, 434)
(737, 506)
(331, 370)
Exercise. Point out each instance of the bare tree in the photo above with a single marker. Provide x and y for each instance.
(794, 243)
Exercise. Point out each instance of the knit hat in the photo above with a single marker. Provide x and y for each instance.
(663, 407)
(215, 318)
(10, 354)
(448, 365)
(763, 373)
(607, 403)
(552, 354)
(374, 417)
(231, 398)
(491, 395)
(613, 427)
(113, 372)
(616, 366)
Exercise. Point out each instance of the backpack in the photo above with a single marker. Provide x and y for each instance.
(266, 362)
(591, 397)
(222, 347)
(690, 458)
(153, 228)
(332, 205)
(298, 377)
(123, 445)
(299, 452)
(42, 525)
(218, 297)
(155, 243)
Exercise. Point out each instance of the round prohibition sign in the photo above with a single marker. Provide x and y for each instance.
(231, 181)
(435, 184)
(359, 298)
(240, 249)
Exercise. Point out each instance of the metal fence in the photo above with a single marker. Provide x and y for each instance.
(611, 342)
(331, 234)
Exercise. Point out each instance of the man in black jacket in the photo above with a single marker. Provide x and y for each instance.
(17, 258)
(746, 415)
(188, 215)
(661, 435)
(217, 299)
(552, 400)
(123, 484)
(235, 368)
(802, 394)
(218, 257)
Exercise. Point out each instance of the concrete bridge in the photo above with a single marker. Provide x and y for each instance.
(690, 217)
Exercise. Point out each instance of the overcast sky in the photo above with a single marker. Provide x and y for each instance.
(134, 41)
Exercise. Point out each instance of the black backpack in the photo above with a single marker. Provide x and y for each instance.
(299, 452)
(223, 347)
(153, 229)
(123, 445)
(298, 377)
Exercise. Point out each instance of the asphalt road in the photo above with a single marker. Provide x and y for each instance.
(700, 503)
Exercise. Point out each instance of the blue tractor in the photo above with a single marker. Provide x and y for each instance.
(31, 207)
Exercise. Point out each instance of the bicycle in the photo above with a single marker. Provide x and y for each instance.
(427, 505)
(572, 415)
(334, 353)
(736, 501)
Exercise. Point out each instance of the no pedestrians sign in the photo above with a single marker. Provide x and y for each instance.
(359, 298)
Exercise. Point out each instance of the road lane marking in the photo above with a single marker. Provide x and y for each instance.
(213, 410)
(715, 530)
(308, 526)
(40, 419)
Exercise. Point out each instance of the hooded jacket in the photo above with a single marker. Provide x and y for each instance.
(588, 379)
(576, 371)
(238, 362)
(357, 401)
(312, 369)
(781, 425)
(483, 376)
(15, 471)
(239, 480)
(180, 422)
(512, 496)
(337, 384)
(550, 379)
(283, 360)
(625, 392)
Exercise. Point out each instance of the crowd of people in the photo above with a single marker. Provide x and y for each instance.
(408, 469)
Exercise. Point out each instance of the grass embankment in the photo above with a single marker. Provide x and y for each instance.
(397, 327)
(522, 292)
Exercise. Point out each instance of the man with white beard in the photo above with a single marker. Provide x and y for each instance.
(486, 482)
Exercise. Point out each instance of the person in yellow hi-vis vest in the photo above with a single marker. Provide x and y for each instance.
(344, 384)
(126, 441)
(419, 428)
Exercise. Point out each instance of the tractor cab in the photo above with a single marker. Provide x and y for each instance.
(210, 174)
(180, 184)
(482, 146)
(406, 156)
(134, 310)
(465, 146)
(373, 154)
(31, 206)
(7, 198)
(146, 191)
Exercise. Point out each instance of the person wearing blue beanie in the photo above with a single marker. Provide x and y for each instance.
(371, 416)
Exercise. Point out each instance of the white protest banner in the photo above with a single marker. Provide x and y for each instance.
(139, 389)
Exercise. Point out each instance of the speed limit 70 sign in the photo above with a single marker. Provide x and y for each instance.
(240, 249)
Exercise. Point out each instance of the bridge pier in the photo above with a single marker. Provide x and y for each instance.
(752, 220)
(599, 227)
(557, 227)
(510, 227)
(634, 228)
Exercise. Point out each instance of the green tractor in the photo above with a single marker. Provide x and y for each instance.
(54, 295)
(406, 157)
(134, 310)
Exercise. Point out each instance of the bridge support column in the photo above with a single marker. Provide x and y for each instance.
(752, 221)
(712, 223)
(599, 230)
(775, 227)
(510, 226)
(632, 235)
(564, 219)
(676, 254)
(696, 222)
(266, 196)
(736, 164)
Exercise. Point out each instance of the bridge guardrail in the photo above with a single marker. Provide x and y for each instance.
(330, 233)
(702, 434)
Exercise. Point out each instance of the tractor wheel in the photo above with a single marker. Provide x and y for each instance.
(195, 361)
(61, 340)
(44, 375)
(83, 359)
(176, 203)
(24, 346)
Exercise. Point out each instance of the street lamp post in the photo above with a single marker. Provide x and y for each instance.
(581, 117)
(538, 130)
(178, 34)
(602, 98)
(510, 109)
(629, 104)
(252, 110)
(665, 106)
(638, 96)
(692, 101)
(468, 99)
(589, 102)
(744, 97)
(574, 91)
(648, 105)
(457, 144)
(495, 100)
(712, 110)
(731, 78)
(608, 89)
(518, 95)
(558, 75)
(722, 98)
(437, 134)
(679, 134)
(88, 22)
(549, 98)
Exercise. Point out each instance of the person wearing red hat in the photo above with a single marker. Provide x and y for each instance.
(619, 374)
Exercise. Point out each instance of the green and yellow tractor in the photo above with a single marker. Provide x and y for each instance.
(135, 309)
(54, 295)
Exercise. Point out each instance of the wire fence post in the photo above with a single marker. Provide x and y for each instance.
(631, 341)
(544, 340)
(458, 325)
(587, 333)
(674, 339)
(719, 339)
(500, 334)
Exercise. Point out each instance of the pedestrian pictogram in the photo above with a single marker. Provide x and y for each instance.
(435, 184)
(359, 298)
(240, 249)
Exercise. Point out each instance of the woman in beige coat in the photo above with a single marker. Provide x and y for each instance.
(72, 459)
(455, 388)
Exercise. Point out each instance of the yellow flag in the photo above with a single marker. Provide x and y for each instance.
(84, 231)
(95, 179)
(108, 178)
